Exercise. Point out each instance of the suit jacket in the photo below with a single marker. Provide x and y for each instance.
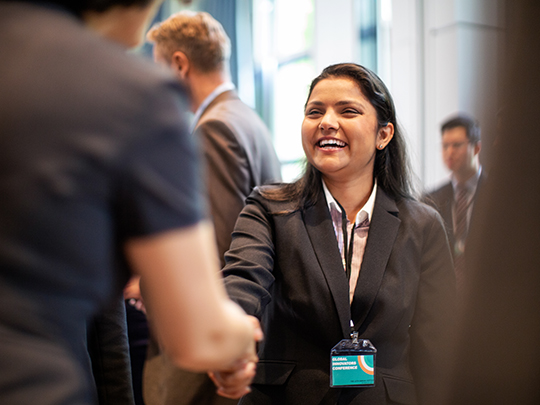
(442, 200)
(239, 156)
(286, 270)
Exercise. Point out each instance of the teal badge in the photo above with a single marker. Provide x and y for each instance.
(353, 370)
(353, 364)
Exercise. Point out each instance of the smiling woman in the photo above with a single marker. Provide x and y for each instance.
(345, 249)
(341, 134)
(357, 93)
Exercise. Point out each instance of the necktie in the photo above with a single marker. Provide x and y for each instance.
(460, 234)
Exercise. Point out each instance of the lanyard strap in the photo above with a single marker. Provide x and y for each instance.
(348, 254)
(347, 250)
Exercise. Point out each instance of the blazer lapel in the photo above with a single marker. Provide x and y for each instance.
(446, 212)
(481, 180)
(381, 237)
(321, 233)
(448, 200)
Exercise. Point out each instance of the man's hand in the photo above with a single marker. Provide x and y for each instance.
(234, 383)
(235, 380)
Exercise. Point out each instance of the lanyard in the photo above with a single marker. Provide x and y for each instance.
(347, 250)
(348, 254)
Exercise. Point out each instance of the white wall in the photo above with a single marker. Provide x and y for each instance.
(407, 75)
(334, 34)
(445, 59)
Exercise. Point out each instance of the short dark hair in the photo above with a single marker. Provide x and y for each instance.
(472, 128)
(78, 7)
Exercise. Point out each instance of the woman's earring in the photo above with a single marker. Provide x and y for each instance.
(381, 146)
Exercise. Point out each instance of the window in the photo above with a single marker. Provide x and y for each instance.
(283, 42)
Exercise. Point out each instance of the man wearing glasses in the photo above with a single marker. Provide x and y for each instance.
(455, 200)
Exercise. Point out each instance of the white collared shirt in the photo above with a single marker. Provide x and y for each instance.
(360, 233)
(222, 88)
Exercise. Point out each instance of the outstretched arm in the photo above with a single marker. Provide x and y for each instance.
(196, 323)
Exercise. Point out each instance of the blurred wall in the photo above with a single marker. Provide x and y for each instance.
(437, 57)
(445, 58)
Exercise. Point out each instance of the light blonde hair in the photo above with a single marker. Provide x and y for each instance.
(198, 35)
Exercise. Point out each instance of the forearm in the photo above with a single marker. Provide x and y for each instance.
(195, 322)
(248, 274)
(220, 345)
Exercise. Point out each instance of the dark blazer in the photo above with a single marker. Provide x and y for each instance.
(442, 200)
(286, 270)
(239, 156)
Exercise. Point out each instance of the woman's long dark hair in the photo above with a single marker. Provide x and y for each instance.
(391, 167)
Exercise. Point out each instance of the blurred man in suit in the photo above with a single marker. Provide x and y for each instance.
(236, 143)
(239, 156)
(455, 199)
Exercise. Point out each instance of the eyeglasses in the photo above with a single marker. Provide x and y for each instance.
(453, 145)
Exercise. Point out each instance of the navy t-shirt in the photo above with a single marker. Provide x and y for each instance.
(94, 150)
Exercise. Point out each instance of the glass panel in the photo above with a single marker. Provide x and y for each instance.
(264, 63)
(367, 10)
(291, 171)
(294, 27)
(283, 34)
(291, 88)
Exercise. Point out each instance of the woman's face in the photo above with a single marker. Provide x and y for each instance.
(340, 131)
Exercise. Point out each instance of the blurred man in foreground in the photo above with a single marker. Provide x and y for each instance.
(238, 154)
(90, 152)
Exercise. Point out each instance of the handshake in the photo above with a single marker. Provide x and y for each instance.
(233, 382)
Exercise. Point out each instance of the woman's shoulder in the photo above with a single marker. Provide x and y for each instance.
(276, 198)
(417, 210)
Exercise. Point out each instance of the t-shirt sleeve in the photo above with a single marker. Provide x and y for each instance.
(161, 186)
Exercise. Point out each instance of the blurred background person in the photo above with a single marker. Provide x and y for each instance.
(345, 248)
(90, 155)
(239, 156)
(237, 146)
(455, 199)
